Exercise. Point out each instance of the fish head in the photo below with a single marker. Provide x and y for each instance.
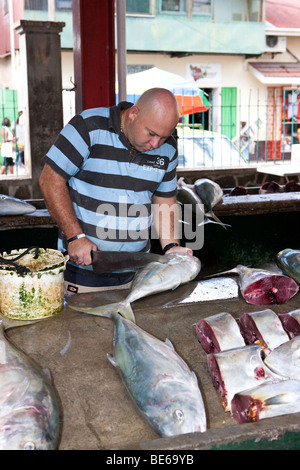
(27, 430)
(179, 409)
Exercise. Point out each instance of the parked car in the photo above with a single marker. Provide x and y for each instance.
(207, 149)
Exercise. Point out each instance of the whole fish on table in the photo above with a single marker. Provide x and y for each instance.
(265, 327)
(155, 277)
(291, 322)
(29, 408)
(285, 359)
(266, 401)
(219, 333)
(263, 287)
(238, 369)
(289, 261)
(159, 382)
(14, 206)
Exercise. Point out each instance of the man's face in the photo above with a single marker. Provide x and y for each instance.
(150, 130)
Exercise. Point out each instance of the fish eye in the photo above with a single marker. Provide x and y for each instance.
(178, 415)
(29, 446)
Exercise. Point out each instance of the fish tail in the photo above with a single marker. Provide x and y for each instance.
(216, 219)
(109, 310)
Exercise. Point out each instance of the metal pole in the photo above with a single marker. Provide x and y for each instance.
(121, 48)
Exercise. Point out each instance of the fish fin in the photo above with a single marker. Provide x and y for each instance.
(111, 360)
(47, 373)
(281, 399)
(108, 310)
(169, 343)
(126, 311)
(216, 219)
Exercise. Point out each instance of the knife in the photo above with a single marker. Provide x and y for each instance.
(104, 262)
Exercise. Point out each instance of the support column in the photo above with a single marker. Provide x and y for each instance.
(40, 53)
(94, 53)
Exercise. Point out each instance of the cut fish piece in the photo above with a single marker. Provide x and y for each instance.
(263, 326)
(219, 333)
(291, 322)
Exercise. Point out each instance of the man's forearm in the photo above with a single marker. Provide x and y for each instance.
(58, 201)
(166, 220)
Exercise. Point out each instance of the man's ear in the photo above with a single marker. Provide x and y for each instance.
(133, 112)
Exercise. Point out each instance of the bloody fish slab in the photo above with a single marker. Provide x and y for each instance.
(266, 401)
(291, 322)
(237, 369)
(219, 333)
(263, 287)
(263, 326)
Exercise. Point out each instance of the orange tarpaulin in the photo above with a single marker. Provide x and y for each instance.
(191, 104)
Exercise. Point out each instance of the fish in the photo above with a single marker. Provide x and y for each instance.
(263, 287)
(211, 194)
(239, 191)
(14, 206)
(270, 187)
(291, 322)
(219, 333)
(288, 261)
(29, 412)
(265, 327)
(292, 186)
(238, 369)
(285, 359)
(186, 195)
(160, 383)
(266, 401)
(154, 278)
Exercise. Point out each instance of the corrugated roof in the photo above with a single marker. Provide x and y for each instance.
(277, 69)
(276, 73)
(283, 13)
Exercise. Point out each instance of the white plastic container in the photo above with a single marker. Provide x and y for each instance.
(38, 293)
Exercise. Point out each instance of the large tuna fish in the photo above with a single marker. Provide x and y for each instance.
(266, 401)
(263, 287)
(285, 359)
(160, 383)
(238, 369)
(263, 326)
(211, 194)
(29, 408)
(219, 333)
(187, 194)
(155, 277)
(289, 261)
(291, 322)
(13, 206)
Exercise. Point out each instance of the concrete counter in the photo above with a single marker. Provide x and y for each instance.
(96, 410)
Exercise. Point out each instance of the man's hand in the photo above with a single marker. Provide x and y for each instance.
(180, 249)
(79, 251)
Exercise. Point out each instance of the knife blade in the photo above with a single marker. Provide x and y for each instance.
(121, 261)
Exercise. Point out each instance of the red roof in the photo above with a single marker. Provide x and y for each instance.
(277, 69)
(283, 13)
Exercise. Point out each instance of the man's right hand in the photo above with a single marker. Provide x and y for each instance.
(79, 251)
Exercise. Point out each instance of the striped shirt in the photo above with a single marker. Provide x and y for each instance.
(111, 188)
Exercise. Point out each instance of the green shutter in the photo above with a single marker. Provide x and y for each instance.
(229, 112)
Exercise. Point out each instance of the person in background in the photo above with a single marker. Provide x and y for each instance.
(7, 139)
(18, 131)
(107, 166)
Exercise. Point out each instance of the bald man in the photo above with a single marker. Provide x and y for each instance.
(109, 172)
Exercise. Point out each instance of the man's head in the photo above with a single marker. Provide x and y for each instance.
(152, 119)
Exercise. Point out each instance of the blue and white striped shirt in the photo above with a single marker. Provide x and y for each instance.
(110, 187)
